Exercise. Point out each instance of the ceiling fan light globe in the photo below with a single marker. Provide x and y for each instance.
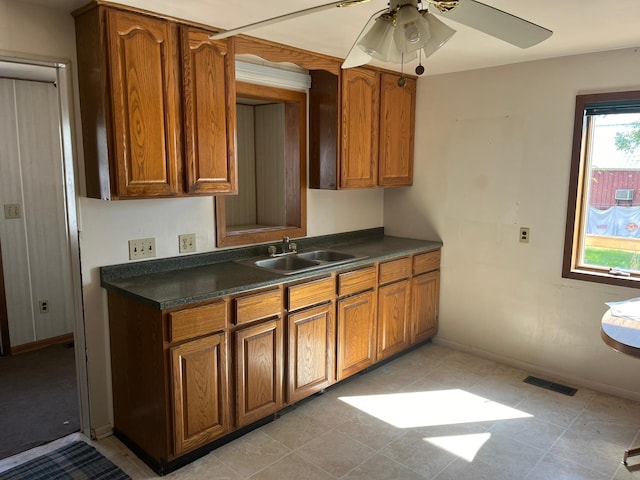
(391, 55)
(411, 30)
(412, 33)
(440, 34)
(376, 40)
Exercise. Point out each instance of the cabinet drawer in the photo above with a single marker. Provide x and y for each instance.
(258, 306)
(395, 270)
(356, 281)
(311, 293)
(198, 321)
(426, 262)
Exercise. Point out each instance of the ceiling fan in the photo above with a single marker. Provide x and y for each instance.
(406, 28)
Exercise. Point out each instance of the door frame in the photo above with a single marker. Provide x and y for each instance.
(64, 75)
(5, 345)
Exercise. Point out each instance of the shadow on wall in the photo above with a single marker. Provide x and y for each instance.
(405, 215)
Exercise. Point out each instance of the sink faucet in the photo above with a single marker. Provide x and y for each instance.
(288, 246)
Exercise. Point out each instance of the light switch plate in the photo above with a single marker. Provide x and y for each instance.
(142, 248)
(12, 210)
(187, 242)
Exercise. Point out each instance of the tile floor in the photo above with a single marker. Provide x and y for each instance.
(434, 413)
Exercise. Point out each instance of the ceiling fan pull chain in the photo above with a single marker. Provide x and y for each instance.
(402, 81)
(420, 68)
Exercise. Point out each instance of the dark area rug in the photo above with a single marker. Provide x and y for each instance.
(38, 398)
(77, 461)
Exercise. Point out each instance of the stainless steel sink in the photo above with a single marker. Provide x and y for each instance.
(327, 256)
(300, 262)
(287, 263)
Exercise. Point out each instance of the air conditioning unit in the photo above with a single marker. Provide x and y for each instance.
(624, 194)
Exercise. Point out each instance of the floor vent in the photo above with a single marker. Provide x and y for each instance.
(556, 387)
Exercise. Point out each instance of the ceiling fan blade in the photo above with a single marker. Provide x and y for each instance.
(355, 58)
(286, 16)
(356, 55)
(499, 24)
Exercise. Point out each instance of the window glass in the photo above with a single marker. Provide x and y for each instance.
(603, 222)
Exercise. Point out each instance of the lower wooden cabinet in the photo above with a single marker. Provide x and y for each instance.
(200, 392)
(356, 333)
(425, 292)
(393, 303)
(393, 319)
(258, 356)
(184, 379)
(311, 352)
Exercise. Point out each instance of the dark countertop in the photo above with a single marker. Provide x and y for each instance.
(168, 283)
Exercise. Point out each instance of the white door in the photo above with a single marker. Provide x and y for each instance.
(33, 223)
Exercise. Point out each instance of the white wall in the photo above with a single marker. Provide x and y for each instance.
(28, 30)
(36, 30)
(493, 149)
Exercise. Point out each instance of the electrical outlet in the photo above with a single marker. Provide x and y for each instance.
(524, 235)
(142, 248)
(44, 306)
(12, 210)
(187, 242)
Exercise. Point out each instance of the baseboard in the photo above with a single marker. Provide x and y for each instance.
(29, 347)
(101, 432)
(572, 380)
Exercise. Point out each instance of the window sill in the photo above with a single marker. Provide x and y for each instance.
(596, 276)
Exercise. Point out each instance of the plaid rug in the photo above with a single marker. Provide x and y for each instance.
(76, 461)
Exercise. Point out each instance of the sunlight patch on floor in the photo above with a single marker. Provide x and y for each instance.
(439, 407)
(464, 446)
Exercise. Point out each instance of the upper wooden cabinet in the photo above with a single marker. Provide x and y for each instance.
(360, 122)
(208, 76)
(137, 142)
(361, 129)
(397, 127)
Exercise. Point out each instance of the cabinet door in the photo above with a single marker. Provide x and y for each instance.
(311, 351)
(356, 334)
(200, 394)
(210, 112)
(143, 61)
(397, 125)
(393, 322)
(360, 123)
(258, 371)
(425, 294)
